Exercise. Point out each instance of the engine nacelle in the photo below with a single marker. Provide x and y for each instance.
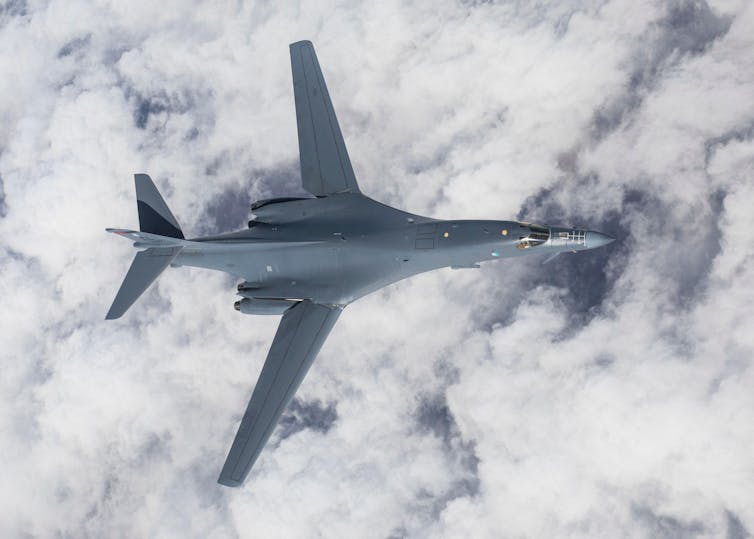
(279, 210)
(264, 305)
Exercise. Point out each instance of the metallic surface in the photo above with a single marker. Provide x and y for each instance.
(308, 258)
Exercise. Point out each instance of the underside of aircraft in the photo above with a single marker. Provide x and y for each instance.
(307, 258)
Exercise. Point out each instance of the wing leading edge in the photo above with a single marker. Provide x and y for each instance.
(325, 166)
(301, 333)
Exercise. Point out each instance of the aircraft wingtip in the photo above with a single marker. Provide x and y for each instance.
(227, 482)
(302, 43)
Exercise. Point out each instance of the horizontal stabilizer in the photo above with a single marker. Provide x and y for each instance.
(144, 270)
(145, 239)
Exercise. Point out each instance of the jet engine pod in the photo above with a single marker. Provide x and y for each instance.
(264, 305)
(246, 287)
(278, 210)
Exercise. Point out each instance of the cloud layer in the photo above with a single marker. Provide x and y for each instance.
(607, 394)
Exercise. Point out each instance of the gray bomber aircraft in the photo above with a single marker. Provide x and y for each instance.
(307, 258)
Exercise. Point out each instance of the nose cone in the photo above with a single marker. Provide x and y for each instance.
(597, 239)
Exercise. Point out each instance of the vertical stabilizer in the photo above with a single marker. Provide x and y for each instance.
(154, 215)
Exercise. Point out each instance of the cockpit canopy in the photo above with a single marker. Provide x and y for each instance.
(532, 235)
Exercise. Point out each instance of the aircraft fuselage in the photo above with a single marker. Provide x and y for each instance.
(337, 249)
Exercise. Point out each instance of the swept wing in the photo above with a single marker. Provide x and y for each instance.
(302, 330)
(325, 166)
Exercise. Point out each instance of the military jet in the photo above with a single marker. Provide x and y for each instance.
(308, 258)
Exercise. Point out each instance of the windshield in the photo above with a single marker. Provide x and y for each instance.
(537, 235)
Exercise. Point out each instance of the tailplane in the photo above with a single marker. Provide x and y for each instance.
(160, 234)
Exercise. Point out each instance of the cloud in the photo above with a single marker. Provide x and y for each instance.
(603, 394)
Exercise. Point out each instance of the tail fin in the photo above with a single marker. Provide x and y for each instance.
(154, 215)
(156, 221)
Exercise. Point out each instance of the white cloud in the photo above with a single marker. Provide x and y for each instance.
(605, 394)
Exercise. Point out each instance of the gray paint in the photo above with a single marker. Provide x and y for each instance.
(299, 337)
(325, 166)
(145, 268)
(147, 193)
(320, 254)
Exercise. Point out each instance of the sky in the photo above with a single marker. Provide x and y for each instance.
(605, 394)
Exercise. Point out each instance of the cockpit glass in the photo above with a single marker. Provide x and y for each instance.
(535, 235)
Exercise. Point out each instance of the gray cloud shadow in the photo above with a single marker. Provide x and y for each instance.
(433, 416)
(300, 415)
(687, 30)
(665, 527)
